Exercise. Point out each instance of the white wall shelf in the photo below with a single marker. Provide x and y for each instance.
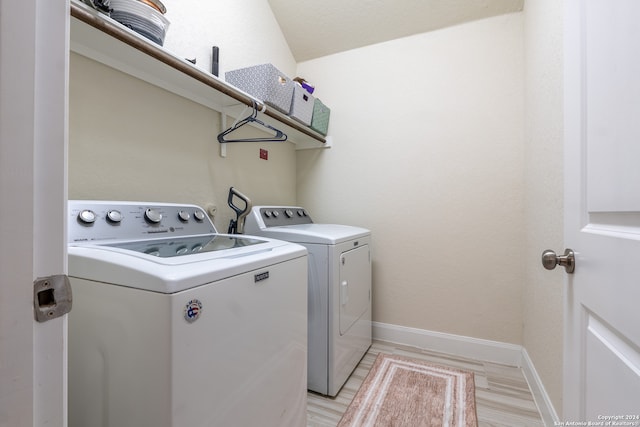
(104, 40)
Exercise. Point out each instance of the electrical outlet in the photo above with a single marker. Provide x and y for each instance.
(264, 154)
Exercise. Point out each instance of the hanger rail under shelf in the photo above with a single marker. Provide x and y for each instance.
(232, 95)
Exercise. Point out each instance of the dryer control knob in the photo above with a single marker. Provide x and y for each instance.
(87, 216)
(301, 212)
(153, 216)
(288, 213)
(276, 214)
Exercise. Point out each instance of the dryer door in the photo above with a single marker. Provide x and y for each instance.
(355, 286)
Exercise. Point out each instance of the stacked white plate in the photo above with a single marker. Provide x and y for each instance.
(141, 18)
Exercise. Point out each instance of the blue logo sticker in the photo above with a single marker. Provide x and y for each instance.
(192, 310)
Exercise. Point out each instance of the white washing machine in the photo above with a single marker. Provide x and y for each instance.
(339, 303)
(175, 325)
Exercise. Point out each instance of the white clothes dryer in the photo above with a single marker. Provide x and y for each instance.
(339, 299)
(175, 325)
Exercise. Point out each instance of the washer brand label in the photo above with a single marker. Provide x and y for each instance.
(261, 276)
(192, 310)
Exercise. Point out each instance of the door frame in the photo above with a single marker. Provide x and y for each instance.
(34, 58)
(572, 197)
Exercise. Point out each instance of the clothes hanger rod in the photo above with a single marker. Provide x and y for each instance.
(252, 118)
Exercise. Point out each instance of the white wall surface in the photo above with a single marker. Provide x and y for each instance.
(246, 32)
(543, 316)
(129, 140)
(428, 154)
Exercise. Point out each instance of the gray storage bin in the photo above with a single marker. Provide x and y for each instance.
(266, 83)
(320, 119)
(302, 105)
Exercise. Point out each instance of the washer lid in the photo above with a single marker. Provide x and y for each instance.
(328, 234)
(185, 246)
(157, 271)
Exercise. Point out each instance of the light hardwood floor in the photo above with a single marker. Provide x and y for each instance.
(503, 397)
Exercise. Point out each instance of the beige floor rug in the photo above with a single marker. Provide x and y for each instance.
(405, 392)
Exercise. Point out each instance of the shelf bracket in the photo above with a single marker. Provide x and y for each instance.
(223, 125)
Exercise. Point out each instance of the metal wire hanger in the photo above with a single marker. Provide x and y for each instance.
(253, 118)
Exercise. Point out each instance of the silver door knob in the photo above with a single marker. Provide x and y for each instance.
(568, 260)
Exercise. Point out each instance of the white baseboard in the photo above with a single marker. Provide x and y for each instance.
(491, 351)
(547, 411)
(474, 348)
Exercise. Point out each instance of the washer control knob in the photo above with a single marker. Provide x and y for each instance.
(182, 250)
(183, 216)
(267, 214)
(87, 216)
(276, 214)
(198, 215)
(301, 212)
(288, 213)
(153, 216)
(114, 216)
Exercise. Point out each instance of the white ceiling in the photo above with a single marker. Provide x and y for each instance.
(315, 28)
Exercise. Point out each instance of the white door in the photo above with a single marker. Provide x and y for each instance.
(602, 198)
(33, 134)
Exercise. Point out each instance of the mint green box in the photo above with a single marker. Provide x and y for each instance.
(320, 118)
